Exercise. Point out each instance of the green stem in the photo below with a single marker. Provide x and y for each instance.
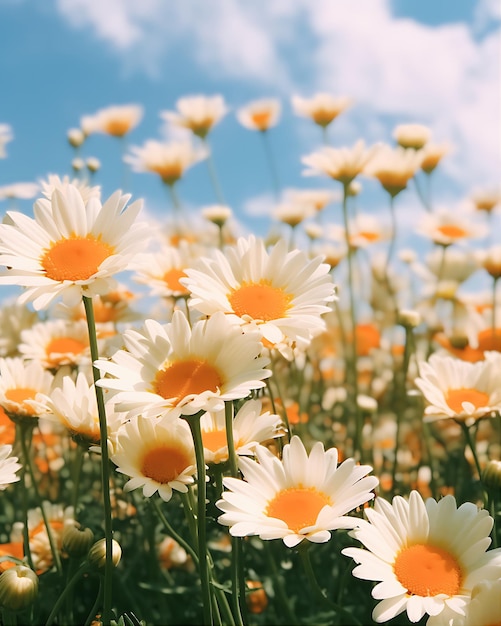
(105, 469)
(184, 544)
(84, 569)
(24, 492)
(194, 424)
(471, 444)
(26, 431)
(279, 589)
(213, 175)
(8, 618)
(92, 613)
(77, 470)
(421, 196)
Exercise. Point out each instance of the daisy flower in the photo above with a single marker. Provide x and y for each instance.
(446, 227)
(20, 384)
(282, 294)
(167, 160)
(299, 497)
(260, 114)
(322, 108)
(394, 167)
(458, 389)
(54, 182)
(157, 453)
(197, 113)
(19, 190)
(173, 366)
(318, 199)
(116, 121)
(486, 199)
(414, 136)
(250, 427)
(8, 467)
(342, 164)
(55, 343)
(427, 557)
(70, 248)
(432, 154)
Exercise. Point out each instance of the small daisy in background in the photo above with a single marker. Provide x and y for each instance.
(414, 136)
(303, 496)
(8, 467)
(20, 384)
(251, 427)
(53, 182)
(116, 121)
(157, 454)
(260, 115)
(71, 248)
(394, 167)
(197, 113)
(182, 368)
(426, 557)
(446, 227)
(322, 108)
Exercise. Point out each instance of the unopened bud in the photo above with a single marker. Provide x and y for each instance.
(76, 137)
(409, 318)
(18, 588)
(491, 476)
(77, 540)
(97, 554)
(93, 164)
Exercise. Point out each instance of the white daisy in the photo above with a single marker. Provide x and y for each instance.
(414, 136)
(115, 120)
(71, 248)
(173, 366)
(54, 182)
(446, 227)
(299, 497)
(250, 428)
(157, 453)
(394, 167)
(322, 108)
(198, 113)
(20, 384)
(282, 294)
(260, 114)
(342, 164)
(8, 467)
(56, 342)
(458, 389)
(427, 557)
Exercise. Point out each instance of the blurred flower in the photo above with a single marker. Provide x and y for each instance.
(185, 369)
(413, 136)
(260, 114)
(197, 113)
(157, 454)
(292, 214)
(167, 160)
(331, 252)
(486, 200)
(75, 137)
(490, 260)
(56, 342)
(250, 427)
(71, 248)
(459, 390)
(218, 214)
(322, 108)
(256, 598)
(23, 191)
(8, 467)
(6, 135)
(318, 199)
(54, 182)
(172, 555)
(446, 227)
(282, 294)
(484, 608)
(432, 154)
(77, 164)
(300, 497)
(427, 557)
(20, 383)
(14, 318)
(113, 306)
(342, 164)
(394, 167)
(93, 164)
(114, 120)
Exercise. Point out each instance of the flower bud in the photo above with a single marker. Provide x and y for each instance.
(491, 476)
(77, 540)
(409, 318)
(93, 164)
(18, 588)
(97, 554)
(76, 137)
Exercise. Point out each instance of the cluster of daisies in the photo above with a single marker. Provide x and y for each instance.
(238, 318)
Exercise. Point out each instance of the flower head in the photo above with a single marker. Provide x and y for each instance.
(19, 190)
(432, 154)
(53, 182)
(394, 167)
(426, 557)
(414, 136)
(20, 384)
(299, 497)
(8, 467)
(197, 113)
(260, 115)
(185, 369)
(322, 108)
(281, 294)
(446, 227)
(342, 164)
(157, 454)
(71, 247)
(114, 120)
(167, 160)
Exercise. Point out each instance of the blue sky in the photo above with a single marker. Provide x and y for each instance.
(427, 61)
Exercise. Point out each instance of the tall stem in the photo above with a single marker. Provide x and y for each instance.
(493, 318)
(105, 464)
(213, 174)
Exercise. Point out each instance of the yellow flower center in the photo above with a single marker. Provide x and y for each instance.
(451, 231)
(183, 378)
(165, 463)
(75, 258)
(171, 279)
(456, 397)
(260, 301)
(64, 345)
(19, 395)
(261, 119)
(168, 172)
(426, 570)
(298, 507)
(117, 127)
(323, 117)
(214, 440)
